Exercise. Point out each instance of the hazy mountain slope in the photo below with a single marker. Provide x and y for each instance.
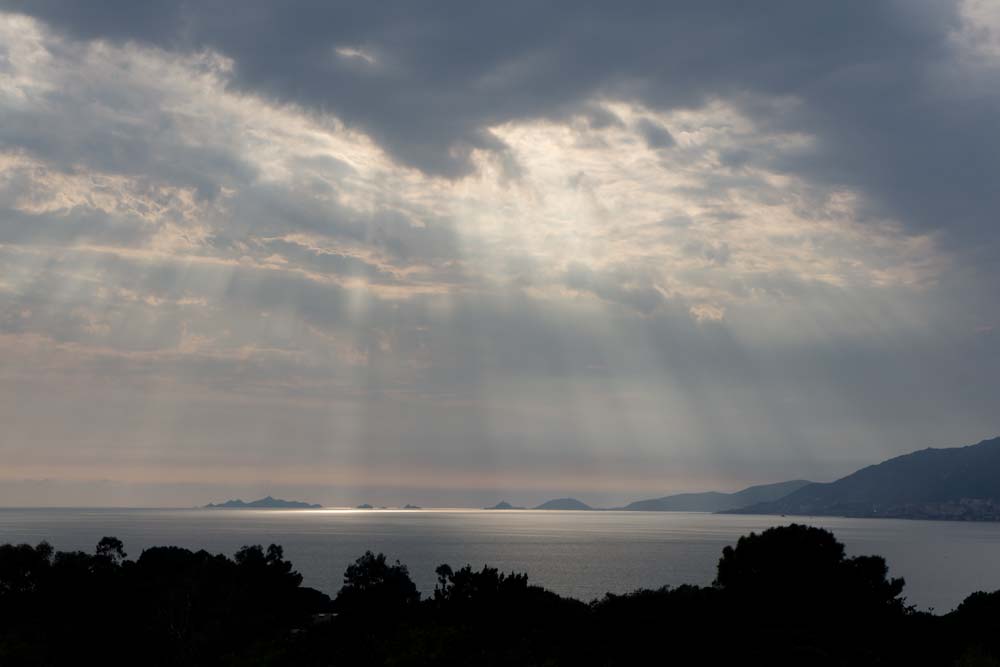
(953, 483)
(713, 501)
(564, 504)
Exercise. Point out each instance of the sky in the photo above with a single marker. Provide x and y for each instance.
(448, 253)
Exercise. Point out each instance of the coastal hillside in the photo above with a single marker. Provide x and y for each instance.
(961, 483)
(713, 501)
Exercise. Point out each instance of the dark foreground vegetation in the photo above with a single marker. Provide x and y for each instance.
(787, 596)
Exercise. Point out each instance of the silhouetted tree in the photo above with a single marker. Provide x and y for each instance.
(492, 617)
(806, 565)
(976, 624)
(798, 596)
(171, 606)
(786, 596)
(373, 586)
(488, 586)
(22, 567)
(112, 549)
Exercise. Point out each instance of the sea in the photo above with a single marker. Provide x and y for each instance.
(578, 554)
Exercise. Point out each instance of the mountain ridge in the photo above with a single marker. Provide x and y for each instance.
(956, 483)
(716, 501)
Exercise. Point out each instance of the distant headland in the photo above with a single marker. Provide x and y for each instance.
(952, 483)
(264, 503)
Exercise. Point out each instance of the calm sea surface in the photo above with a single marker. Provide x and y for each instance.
(582, 554)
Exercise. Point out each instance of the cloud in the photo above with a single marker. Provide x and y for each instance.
(896, 109)
(608, 239)
(656, 135)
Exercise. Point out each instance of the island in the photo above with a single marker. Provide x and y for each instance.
(408, 506)
(267, 503)
(503, 505)
(364, 506)
(564, 504)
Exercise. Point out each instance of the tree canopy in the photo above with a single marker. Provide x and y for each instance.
(786, 596)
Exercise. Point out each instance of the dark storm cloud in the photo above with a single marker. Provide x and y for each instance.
(656, 135)
(882, 85)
